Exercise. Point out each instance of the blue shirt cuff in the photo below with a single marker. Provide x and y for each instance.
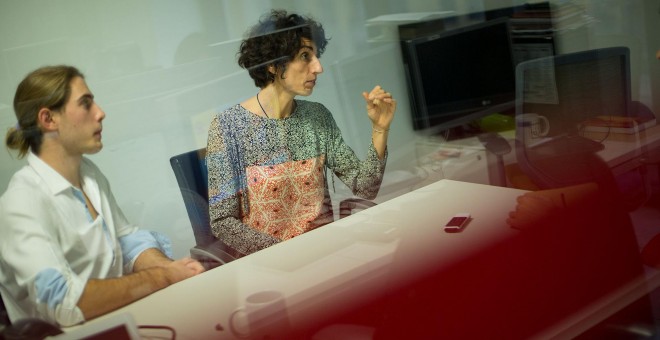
(132, 245)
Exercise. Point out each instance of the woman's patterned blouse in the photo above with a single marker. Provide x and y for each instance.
(268, 179)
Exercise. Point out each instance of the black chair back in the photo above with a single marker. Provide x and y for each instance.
(4, 316)
(192, 176)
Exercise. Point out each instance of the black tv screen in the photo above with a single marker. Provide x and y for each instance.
(459, 75)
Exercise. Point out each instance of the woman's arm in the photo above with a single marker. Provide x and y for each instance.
(363, 177)
(380, 109)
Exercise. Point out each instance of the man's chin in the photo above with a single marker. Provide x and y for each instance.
(95, 149)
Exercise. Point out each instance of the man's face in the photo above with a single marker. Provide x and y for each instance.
(79, 122)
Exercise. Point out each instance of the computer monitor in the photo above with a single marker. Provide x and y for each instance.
(570, 88)
(567, 90)
(459, 75)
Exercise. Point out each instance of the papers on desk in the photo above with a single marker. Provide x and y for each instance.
(618, 124)
(539, 141)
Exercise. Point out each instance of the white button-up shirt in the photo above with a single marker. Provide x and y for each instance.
(50, 246)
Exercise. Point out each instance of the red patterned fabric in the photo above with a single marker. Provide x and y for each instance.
(284, 199)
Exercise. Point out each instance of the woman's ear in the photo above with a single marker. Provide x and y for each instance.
(46, 120)
(272, 72)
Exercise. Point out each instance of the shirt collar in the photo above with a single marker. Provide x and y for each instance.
(55, 182)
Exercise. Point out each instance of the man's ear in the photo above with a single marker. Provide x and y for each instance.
(45, 119)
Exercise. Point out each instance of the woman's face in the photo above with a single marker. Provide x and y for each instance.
(79, 121)
(301, 73)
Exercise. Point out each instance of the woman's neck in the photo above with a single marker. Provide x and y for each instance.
(274, 103)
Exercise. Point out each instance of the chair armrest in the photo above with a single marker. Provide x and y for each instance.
(498, 146)
(214, 254)
(495, 143)
(347, 206)
(4, 316)
(650, 157)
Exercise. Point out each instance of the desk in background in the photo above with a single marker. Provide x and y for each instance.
(391, 267)
(622, 152)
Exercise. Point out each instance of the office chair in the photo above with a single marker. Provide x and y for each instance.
(605, 234)
(573, 160)
(192, 176)
(497, 146)
(649, 160)
(577, 162)
(347, 206)
(4, 316)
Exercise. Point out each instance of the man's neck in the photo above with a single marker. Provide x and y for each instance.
(64, 163)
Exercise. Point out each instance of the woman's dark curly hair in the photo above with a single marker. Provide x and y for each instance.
(275, 41)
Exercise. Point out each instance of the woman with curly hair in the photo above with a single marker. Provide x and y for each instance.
(268, 156)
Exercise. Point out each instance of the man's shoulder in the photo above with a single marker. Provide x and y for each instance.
(24, 186)
(25, 177)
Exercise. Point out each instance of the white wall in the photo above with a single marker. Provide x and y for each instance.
(162, 68)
